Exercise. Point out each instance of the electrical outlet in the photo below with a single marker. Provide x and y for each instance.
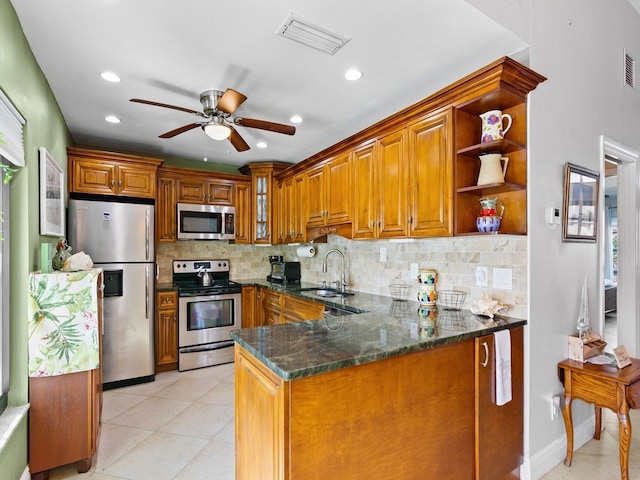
(555, 406)
(481, 276)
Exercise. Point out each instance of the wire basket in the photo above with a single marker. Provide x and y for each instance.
(451, 299)
(399, 291)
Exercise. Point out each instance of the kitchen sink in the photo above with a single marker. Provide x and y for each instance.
(325, 292)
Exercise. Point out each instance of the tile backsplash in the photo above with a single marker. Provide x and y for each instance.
(454, 258)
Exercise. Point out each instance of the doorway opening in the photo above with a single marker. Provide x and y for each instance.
(618, 247)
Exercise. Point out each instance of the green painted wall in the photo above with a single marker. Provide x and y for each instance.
(24, 84)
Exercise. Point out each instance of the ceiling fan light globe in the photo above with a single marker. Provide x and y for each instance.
(217, 132)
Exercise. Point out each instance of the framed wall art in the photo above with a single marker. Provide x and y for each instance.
(580, 206)
(51, 195)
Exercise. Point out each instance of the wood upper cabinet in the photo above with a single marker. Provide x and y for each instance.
(243, 212)
(503, 85)
(108, 173)
(166, 209)
(291, 209)
(166, 331)
(184, 185)
(499, 430)
(329, 192)
(263, 197)
(205, 191)
(380, 172)
(431, 176)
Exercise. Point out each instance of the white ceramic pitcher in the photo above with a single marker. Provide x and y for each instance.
(492, 170)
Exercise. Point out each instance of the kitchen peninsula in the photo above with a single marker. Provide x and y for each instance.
(396, 392)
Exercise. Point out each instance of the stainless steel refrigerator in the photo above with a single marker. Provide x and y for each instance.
(119, 238)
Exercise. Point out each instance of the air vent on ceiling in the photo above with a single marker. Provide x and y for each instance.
(301, 31)
(629, 70)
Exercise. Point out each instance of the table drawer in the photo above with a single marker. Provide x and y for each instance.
(594, 390)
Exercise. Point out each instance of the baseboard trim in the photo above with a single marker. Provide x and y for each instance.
(553, 454)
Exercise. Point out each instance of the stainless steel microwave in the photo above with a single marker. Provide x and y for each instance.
(206, 222)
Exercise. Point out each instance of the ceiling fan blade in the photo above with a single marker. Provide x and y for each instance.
(164, 105)
(237, 141)
(230, 100)
(264, 125)
(178, 131)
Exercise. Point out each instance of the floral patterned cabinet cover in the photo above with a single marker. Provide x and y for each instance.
(63, 322)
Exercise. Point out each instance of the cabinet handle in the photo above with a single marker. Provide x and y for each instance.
(119, 184)
(410, 220)
(379, 223)
(486, 354)
(113, 183)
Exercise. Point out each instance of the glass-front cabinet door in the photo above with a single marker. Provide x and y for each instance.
(263, 196)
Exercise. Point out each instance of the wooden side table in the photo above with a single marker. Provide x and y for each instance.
(603, 386)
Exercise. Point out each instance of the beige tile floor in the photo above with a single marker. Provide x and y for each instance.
(179, 427)
(598, 459)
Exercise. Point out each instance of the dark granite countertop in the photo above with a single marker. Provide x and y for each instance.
(386, 329)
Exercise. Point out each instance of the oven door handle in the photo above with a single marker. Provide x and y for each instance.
(208, 347)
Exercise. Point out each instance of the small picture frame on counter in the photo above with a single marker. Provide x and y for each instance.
(622, 357)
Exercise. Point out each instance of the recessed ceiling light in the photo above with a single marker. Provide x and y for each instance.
(261, 145)
(112, 119)
(296, 119)
(353, 74)
(110, 77)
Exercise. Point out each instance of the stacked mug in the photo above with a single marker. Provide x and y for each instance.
(427, 279)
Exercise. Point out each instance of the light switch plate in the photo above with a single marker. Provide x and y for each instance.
(503, 278)
(383, 254)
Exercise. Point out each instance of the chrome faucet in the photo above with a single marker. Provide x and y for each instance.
(342, 284)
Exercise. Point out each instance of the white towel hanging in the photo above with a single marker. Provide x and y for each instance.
(502, 347)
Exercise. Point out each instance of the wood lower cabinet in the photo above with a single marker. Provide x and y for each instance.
(65, 411)
(249, 306)
(271, 306)
(166, 331)
(108, 173)
(263, 306)
(499, 430)
(395, 418)
(427, 414)
(296, 309)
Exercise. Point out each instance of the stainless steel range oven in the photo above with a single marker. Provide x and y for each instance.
(209, 307)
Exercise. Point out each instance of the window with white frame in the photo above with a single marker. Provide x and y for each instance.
(11, 154)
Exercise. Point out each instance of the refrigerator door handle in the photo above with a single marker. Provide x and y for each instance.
(146, 291)
(146, 233)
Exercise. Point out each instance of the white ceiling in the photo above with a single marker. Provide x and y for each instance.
(170, 51)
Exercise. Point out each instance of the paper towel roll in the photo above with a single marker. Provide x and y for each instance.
(306, 251)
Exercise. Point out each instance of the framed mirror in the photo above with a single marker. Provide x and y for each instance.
(580, 206)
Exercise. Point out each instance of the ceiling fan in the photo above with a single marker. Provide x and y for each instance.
(218, 107)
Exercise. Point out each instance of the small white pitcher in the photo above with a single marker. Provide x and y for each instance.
(491, 168)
